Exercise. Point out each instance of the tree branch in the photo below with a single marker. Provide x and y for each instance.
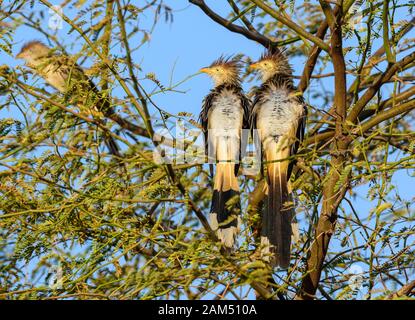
(250, 34)
(316, 50)
(292, 25)
(365, 114)
(385, 115)
(374, 59)
(386, 42)
(383, 78)
(242, 16)
(332, 195)
(312, 59)
(406, 290)
(328, 12)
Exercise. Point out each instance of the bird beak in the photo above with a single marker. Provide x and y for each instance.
(19, 56)
(254, 66)
(204, 70)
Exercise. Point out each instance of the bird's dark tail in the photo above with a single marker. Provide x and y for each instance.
(224, 214)
(276, 223)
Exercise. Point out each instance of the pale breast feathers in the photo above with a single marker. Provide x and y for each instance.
(226, 112)
(278, 113)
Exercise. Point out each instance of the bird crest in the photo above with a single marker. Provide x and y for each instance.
(224, 70)
(229, 62)
(278, 59)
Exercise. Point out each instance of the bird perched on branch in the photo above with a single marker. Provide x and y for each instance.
(62, 73)
(278, 115)
(224, 114)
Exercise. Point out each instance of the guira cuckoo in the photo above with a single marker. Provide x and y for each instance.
(225, 112)
(62, 73)
(278, 115)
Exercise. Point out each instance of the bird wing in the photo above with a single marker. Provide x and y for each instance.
(299, 134)
(246, 106)
(253, 125)
(204, 115)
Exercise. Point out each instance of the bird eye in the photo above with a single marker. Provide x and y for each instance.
(217, 69)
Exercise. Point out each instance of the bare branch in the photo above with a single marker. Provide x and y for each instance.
(406, 290)
(383, 78)
(292, 25)
(386, 115)
(332, 196)
(250, 34)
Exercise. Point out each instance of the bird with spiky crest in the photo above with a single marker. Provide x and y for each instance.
(278, 120)
(225, 112)
(64, 74)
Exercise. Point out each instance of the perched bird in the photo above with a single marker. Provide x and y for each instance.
(278, 115)
(225, 112)
(62, 73)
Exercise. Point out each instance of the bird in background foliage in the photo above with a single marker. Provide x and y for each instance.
(279, 116)
(225, 112)
(62, 73)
